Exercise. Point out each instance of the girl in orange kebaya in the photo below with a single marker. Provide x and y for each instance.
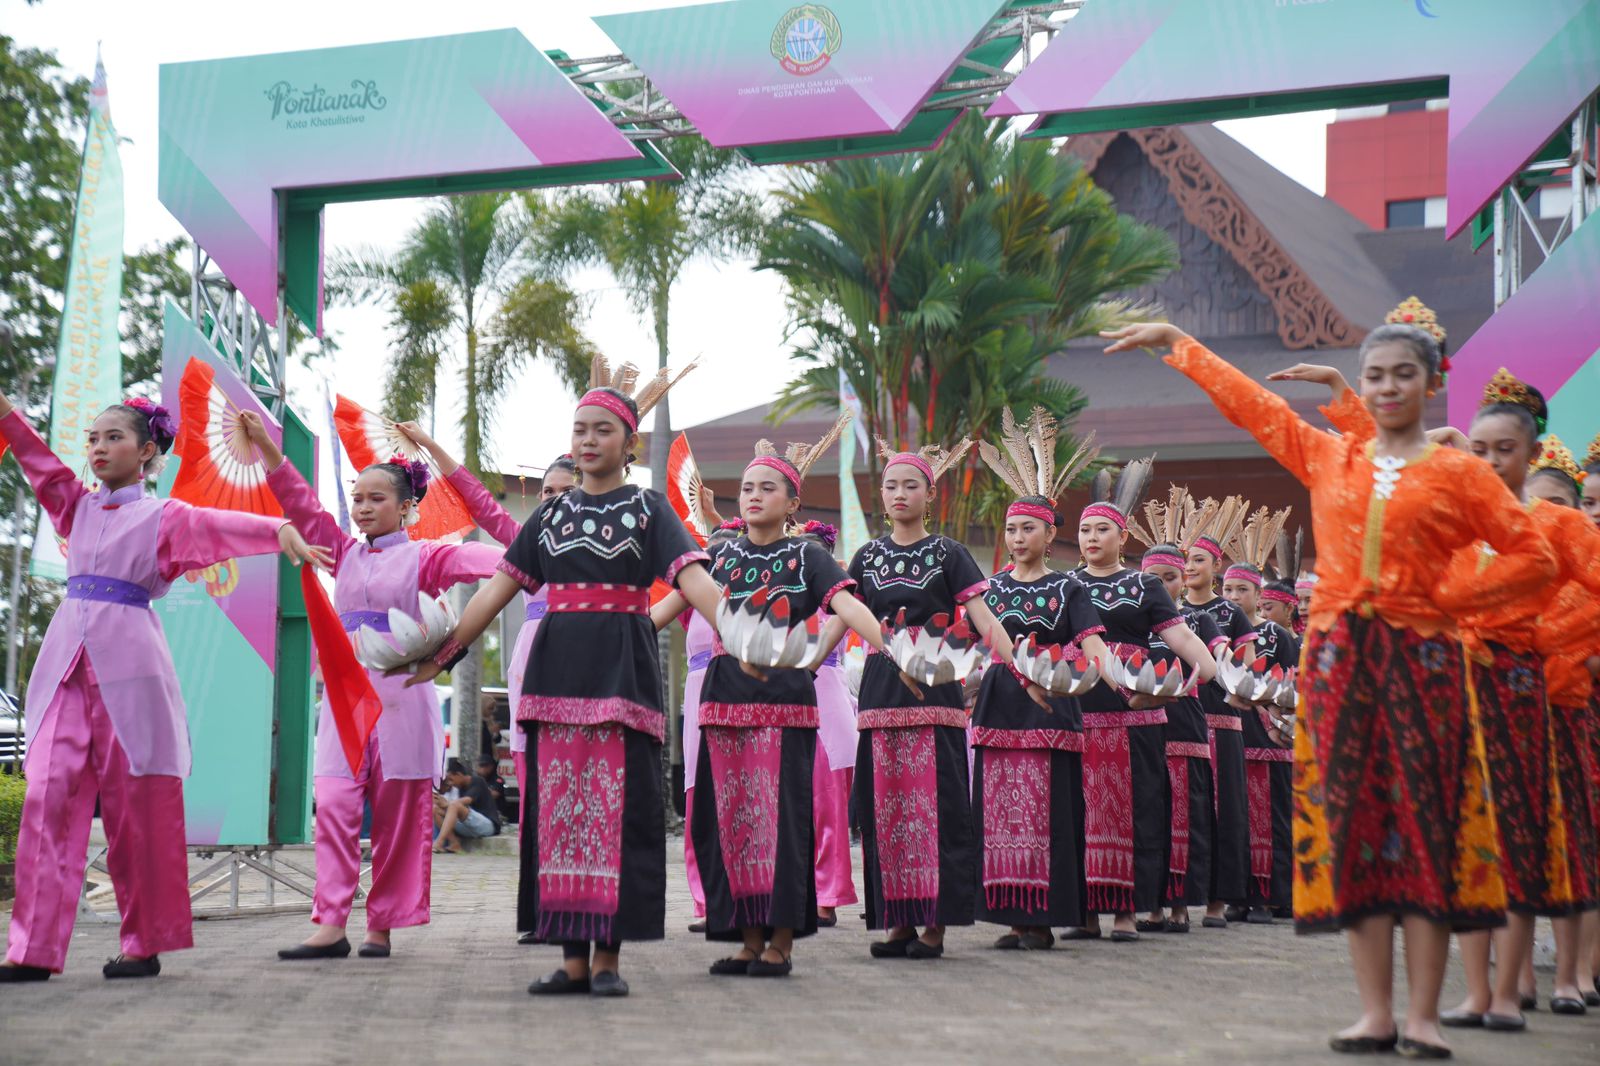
(1392, 820)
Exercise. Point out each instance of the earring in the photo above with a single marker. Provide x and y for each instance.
(1432, 393)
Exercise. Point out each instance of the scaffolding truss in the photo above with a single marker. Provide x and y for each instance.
(1518, 230)
(257, 352)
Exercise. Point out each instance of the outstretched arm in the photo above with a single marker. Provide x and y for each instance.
(492, 518)
(481, 611)
(191, 538)
(300, 504)
(57, 488)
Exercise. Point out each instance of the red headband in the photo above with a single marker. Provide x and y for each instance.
(601, 398)
(1024, 509)
(1104, 510)
(1209, 546)
(1279, 596)
(912, 459)
(1306, 583)
(781, 466)
(1239, 573)
(1161, 559)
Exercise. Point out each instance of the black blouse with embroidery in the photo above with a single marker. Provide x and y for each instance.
(1134, 607)
(807, 577)
(1054, 609)
(932, 576)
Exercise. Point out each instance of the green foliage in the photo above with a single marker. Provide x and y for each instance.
(646, 233)
(938, 283)
(12, 789)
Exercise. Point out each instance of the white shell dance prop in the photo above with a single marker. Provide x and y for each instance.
(758, 632)
(1253, 681)
(938, 653)
(410, 640)
(1142, 675)
(1050, 669)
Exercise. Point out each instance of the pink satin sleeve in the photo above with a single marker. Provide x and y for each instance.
(57, 488)
(191, 538)
(444, 566)
(302, 507)
(492, 518)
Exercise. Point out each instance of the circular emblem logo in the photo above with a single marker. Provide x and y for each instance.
(807, 37)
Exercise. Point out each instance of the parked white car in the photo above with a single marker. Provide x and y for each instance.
(13, 741)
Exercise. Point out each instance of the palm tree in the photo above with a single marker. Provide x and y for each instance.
(646, 233)
(939, 283)
(465, 274)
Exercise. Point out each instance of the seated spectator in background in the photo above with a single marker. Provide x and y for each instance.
(473, 815)
(489, 730)
(489, 770)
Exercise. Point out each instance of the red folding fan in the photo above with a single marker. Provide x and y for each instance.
(687, 493)
(220, 467)
(370, 438)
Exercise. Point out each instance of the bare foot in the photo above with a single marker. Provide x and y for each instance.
(1426, 1032)
(1370, 1026)
(323, 936)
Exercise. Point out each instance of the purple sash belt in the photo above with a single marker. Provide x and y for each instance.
(354, 620)
(107, 590)
(537, 609)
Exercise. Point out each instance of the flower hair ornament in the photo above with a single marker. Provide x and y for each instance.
(1028, 463)
(1413, 312)
(1556, 456)
(1504, 387)
(798, 459)
(827, 535)
(932, 460)
(417, 477)
(1178, 522)
(623, 379)
(162, 429)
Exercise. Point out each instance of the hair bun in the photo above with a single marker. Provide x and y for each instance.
(162, 429)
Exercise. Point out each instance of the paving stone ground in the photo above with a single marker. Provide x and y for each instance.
(454, 990)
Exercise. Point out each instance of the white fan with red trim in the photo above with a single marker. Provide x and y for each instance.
(688, 494)
(370, 438)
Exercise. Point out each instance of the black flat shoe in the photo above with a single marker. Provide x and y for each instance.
(1285, 913)
(15, 975)
(697, 926)
(891, 949)
(1235, 913)
(1567, 1005)
(1591, 999)
(827, 923)
(608, 983)
(1504, 1023)
(763, 968)
(373, 951)
(730, 967)
(1123, 936)
(921, 949)
(1037, 941)
(559, 983)
(1363, 1045)
(1079, 933)
(1529, 1003)
(339, 949)
(1145, 925)
(122, 966)
(530, 937)
(1209, 922)
(1009, 942)
(1421, 1049)
(1258, 916)
(1177, 927)
(1461, 1019)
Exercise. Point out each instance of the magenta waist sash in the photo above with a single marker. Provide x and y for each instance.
(597, 598)
(107, 590)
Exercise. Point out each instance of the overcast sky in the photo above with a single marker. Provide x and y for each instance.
(726, 314)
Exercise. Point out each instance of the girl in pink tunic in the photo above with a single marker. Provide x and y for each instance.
(383, 569)
(105, 716)
(495, 520)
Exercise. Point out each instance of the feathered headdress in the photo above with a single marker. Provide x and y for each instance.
(798, 459)
(1028, 464)
(1178, 521)
(933, 460)
(1224, 526)
(623, 379)
(1286, 556)
(1115, 495)
(1554, 455)
(1255, 542)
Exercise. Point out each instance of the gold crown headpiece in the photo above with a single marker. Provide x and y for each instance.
(1554, 455)
(1413, 312)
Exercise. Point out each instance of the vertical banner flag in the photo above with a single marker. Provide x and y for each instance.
(338, 465)
(88, 376)
(852, 523)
